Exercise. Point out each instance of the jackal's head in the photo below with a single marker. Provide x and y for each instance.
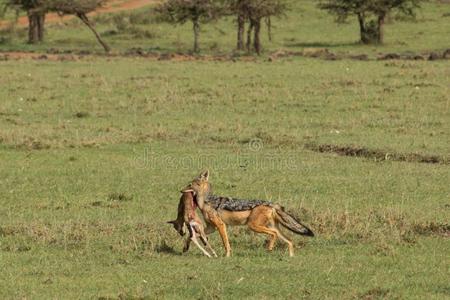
(201, 187)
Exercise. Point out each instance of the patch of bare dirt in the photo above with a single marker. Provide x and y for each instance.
(68, 55)
(376, 293)
(326, 54)
(379, 155)
(432, 228)
(430, 56)
(322, 53)
(64, 55)
(17, 55)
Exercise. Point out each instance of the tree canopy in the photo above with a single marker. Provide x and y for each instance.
(195, 11)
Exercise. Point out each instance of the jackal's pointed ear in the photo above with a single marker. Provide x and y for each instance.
(204, 175)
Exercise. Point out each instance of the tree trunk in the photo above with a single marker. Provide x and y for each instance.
(32, 36)
(256, 38)
(249, 36)
(86, 21)
(362, 29)
(240, 32)
(269, 28)
(381, 21)
(196, 36)
(36, 22)
(40, 26)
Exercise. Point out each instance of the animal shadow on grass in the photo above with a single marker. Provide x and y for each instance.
(119, 197)
(166, 249)
(376, 293)
(169, 250)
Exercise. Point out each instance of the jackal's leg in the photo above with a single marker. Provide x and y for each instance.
(271, 242)
(262, 228)
(286, 240)
(222, 228)
(261, 221)
(215, 222)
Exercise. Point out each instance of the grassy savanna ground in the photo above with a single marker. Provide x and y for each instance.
(305, 26)
(94, 152)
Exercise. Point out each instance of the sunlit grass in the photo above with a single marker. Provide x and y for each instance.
(94, 153)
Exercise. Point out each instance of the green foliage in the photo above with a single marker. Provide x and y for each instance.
(406, 7)
(344, 8)
(62, 6)
(74, 7)
(27, 5)
(258, 9)
(181, 11)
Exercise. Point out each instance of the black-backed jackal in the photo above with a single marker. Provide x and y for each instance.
(260, 216)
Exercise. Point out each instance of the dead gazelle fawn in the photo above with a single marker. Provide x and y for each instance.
(187, 217)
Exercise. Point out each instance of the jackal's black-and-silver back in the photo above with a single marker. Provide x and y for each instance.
(232, 204)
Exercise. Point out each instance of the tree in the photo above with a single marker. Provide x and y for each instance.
(371, 14)
(36, 11)
(80, 8)
(240, 9)
(253, 12)
(196, 11)
(381, 9)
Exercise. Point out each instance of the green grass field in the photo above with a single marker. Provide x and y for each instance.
(93, 153)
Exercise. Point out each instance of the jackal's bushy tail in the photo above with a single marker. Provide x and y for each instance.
(292, 223)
